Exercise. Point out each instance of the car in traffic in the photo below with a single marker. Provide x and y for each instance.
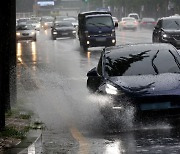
(128, 23)
(73, 20)
(25, 32)
(134, 15)
(147, 23)
(62, 29)
(36, 18)
(167, 30)
(36, 24)
(46, 22)
(144, 77)
(96, 29)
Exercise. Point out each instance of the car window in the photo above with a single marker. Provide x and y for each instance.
(99, 21)
(63, 24)
(171, 24)
(141, 63)
(25, 27)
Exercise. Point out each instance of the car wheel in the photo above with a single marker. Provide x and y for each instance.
(34, 39)
(53, 37)
(90, 85)
(73, 37)
(85, 48)
(153, 39)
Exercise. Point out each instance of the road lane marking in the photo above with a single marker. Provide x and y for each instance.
(83, 144)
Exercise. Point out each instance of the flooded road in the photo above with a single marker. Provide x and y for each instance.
(52, 83)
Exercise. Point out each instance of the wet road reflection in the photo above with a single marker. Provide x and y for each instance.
(72, 118)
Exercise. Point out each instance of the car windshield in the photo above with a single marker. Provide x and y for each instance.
(32, 22)
(48, 19)
(25, 27)
(171, 24)
(141, 62)
(105, 21)
(63, 24)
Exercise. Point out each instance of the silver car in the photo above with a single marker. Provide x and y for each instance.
(25, 32)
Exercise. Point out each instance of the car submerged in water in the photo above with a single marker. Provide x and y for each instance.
(145, 77)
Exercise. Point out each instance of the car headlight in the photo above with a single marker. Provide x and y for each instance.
(111, 89)
(18, 34)
(73, 31)
(54, 32)
(32, 33)
(165, 36)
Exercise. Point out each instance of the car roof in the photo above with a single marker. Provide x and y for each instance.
(93, 13)
(134, 47)
(171, 17)
(128, 18)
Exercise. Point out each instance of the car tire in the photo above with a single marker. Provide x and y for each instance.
(90, 86)
(35, 39)
(53, 37)
(85, 48)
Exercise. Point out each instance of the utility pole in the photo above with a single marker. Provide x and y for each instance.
(7, 58)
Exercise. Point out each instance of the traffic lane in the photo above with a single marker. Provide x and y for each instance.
(130, 36)
(55, 99)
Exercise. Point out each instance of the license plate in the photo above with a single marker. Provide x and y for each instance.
(64, 33)
(25, 34)
(155, 106)
(101, 39)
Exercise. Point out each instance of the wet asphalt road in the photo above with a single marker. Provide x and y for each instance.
(52, 83)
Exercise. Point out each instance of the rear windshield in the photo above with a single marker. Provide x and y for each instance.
(141, 62)
(105, 21)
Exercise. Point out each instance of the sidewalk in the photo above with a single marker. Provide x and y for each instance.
(19, 137)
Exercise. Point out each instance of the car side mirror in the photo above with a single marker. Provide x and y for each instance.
(92, 72)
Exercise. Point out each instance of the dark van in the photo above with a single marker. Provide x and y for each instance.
(96, 28)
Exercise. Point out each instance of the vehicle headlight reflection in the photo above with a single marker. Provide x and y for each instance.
(74, 31)
(18, 34)
(111, 89)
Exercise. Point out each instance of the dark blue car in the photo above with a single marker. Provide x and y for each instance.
(143, 77)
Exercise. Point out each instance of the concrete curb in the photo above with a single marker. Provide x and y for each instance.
(31, 145)
(36, 146)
